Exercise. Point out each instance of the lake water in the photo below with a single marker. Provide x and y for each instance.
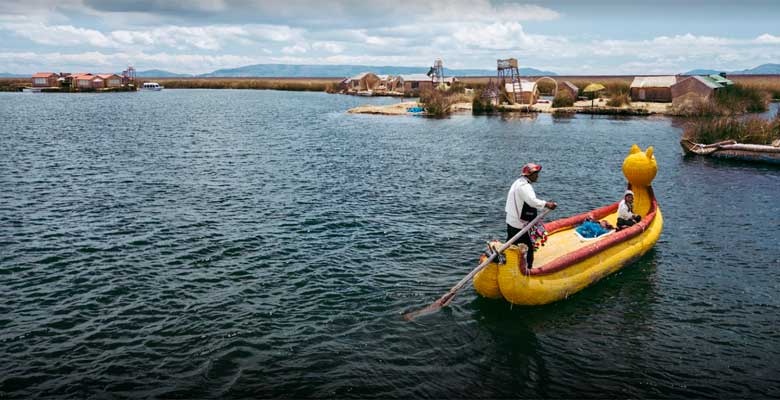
(195, 243)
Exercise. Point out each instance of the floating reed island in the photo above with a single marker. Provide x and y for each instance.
(688, 97)
(744, 139)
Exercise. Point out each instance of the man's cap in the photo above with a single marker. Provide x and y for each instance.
(530, 168)
(628, 192)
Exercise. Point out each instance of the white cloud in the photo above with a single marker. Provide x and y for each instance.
(768, 39)
(296, 49)
(211, 37)
(58, 35)
(466, 33)
(484, 11)
(330, 47)
(94, 61)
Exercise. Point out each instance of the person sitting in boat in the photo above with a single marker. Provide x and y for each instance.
(521, 208)
(626, 216)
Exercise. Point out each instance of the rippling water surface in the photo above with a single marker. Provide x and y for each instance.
(257, 243)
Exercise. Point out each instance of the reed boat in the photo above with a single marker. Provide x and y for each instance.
(730, 149)
(568, 263)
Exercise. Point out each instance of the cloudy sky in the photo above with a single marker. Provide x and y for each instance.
(567, 37)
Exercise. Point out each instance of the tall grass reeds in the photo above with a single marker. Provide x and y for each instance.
(740, 98)
(731, 100)
(14, 84)
(753, 130)
(546, 87)
(619, 99)
(767, 84)
(309, 85)
(562, 99)
(481, 103)
(438, 103)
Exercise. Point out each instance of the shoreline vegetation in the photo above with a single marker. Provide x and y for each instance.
(744, 130)
(769, 84)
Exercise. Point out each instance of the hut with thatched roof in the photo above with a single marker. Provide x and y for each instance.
(652, 88)
(363, 82)
(528, 92)
(570, 89)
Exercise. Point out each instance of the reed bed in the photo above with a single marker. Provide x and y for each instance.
(297, 84)
(13, 84)
(732, 100)
(753, 130)
(439, 102)
(562, 99)
(769, 84)
(546, 87)
(481, 104)
(619, 99)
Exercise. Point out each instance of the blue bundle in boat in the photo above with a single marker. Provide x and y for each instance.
(590, 229)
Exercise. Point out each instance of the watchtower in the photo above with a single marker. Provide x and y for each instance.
(437, 72)
(507, 70)
(128, 75)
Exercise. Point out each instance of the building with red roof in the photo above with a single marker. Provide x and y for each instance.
(45, 79)
(111, 80)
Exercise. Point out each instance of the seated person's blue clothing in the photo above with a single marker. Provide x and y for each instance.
(590, 229)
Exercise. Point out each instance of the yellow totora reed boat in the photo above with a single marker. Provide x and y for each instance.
(568, 263)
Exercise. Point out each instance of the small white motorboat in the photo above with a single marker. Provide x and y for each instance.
(151, 86)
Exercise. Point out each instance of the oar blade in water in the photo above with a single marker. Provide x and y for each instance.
(447, 298)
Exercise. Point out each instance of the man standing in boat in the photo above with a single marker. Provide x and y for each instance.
(522, 207)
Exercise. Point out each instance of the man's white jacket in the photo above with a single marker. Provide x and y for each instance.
(520, 192)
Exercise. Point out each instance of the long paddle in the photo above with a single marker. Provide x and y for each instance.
(447, 298)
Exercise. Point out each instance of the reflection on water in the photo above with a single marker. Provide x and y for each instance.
(530, 338)
(195, 243)
(519, 116)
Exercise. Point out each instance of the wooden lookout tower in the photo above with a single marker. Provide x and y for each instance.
(509, 73)
(437, 72)
(128, 75)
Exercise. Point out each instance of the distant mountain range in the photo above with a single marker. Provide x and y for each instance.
(312, 71)
(158, 73)
(340, 71)
(764, 69)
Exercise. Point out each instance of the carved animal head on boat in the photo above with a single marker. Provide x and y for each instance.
(640, 167)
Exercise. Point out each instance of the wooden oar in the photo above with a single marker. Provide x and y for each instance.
(447, 298)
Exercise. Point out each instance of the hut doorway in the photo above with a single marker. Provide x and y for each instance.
(555, 90)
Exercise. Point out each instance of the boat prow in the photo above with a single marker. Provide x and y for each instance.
(730, 149)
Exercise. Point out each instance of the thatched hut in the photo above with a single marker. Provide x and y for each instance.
(528, 92)
(363, 82)
(652, 88)
(570, 89)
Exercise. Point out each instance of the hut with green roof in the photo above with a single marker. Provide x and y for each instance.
(694, 88)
